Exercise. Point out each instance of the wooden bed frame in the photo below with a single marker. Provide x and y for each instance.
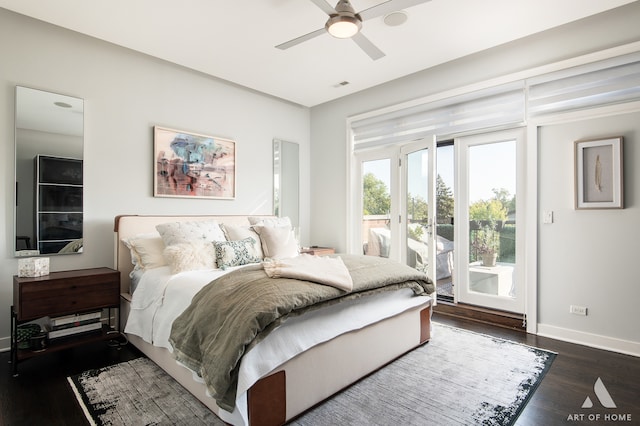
(285, 392)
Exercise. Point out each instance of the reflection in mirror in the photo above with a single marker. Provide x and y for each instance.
(286, 180)
(49, 131)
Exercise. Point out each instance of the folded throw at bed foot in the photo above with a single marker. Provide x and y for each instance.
(325, 270)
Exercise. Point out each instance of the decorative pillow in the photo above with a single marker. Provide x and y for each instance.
(193, 256)
(237, 233)
(186, 232)
(278, 242)
(146, 251)
(269, 221)
(235, 253)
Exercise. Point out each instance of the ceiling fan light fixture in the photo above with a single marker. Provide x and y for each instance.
(343, 26)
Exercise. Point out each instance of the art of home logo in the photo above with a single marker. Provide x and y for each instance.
(606, 401)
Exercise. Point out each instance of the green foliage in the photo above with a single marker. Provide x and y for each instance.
(376, 198)
(445, 231)
(487, 238)
(508, 244)
(444, 195)
(488, 210)
(490, 235)
(415, 233)
(505, 198)
(417, 208)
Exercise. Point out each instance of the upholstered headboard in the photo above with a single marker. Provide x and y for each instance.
(127, 226)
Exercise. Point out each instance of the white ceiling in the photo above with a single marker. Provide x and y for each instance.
(234, 39)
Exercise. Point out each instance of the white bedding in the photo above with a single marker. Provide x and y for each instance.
(161, 297)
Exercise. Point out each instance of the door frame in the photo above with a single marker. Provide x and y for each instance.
(397, 154)
(354, 243)
(429, 144)
(526, 207)
(461, 243)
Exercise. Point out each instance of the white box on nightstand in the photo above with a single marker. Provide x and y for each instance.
(33, 267)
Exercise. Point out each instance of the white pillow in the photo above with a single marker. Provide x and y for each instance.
(146, 251)
(270, 221)
(237, 233)
(278, 242)
(235, 253)
(193, 256)
(186, 232)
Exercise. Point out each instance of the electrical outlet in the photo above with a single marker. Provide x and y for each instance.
(578, 310)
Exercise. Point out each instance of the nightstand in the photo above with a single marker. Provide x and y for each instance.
(59, 294)
(318, 251)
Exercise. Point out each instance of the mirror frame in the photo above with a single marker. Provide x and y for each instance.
(286, 180)
(60, 119)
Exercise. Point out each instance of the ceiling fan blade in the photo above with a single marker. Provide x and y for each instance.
(326, 7)
(368, 47)
(301, 39)
(387, 7)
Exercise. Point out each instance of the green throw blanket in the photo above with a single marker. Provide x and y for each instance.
(232, 313)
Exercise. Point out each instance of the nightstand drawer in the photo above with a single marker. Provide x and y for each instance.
(61, 294)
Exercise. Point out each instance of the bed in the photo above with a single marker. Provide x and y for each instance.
(350, 339)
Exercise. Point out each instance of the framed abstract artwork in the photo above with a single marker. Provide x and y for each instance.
(190, 165)
(598, 174)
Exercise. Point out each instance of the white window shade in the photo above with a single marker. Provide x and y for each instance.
(612, 81)
(604, 83)
(489, 108)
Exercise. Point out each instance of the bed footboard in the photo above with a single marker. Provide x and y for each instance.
(425, 325)
(267, 400)
(279, 397)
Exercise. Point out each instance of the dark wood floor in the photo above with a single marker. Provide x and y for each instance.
(40, 395)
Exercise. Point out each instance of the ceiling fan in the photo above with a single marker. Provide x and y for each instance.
(344, 22)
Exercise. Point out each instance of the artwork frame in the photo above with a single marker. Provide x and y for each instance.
(598, 165)
(193, 165)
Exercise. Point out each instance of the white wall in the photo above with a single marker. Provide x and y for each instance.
(588, 257)
(329, 145)
(126, 94)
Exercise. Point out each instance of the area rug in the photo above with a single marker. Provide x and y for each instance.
(458, 378)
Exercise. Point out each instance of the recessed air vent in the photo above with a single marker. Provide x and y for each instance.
(395, 19)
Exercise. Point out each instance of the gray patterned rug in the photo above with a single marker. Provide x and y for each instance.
(458, 378)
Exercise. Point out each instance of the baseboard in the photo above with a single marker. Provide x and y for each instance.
(5, 344)
(480, 314)
(598, 341)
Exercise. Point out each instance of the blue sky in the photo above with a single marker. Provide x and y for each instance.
(491, 166)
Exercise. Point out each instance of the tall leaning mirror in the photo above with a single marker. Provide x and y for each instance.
(49, 139)
(286, 180)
